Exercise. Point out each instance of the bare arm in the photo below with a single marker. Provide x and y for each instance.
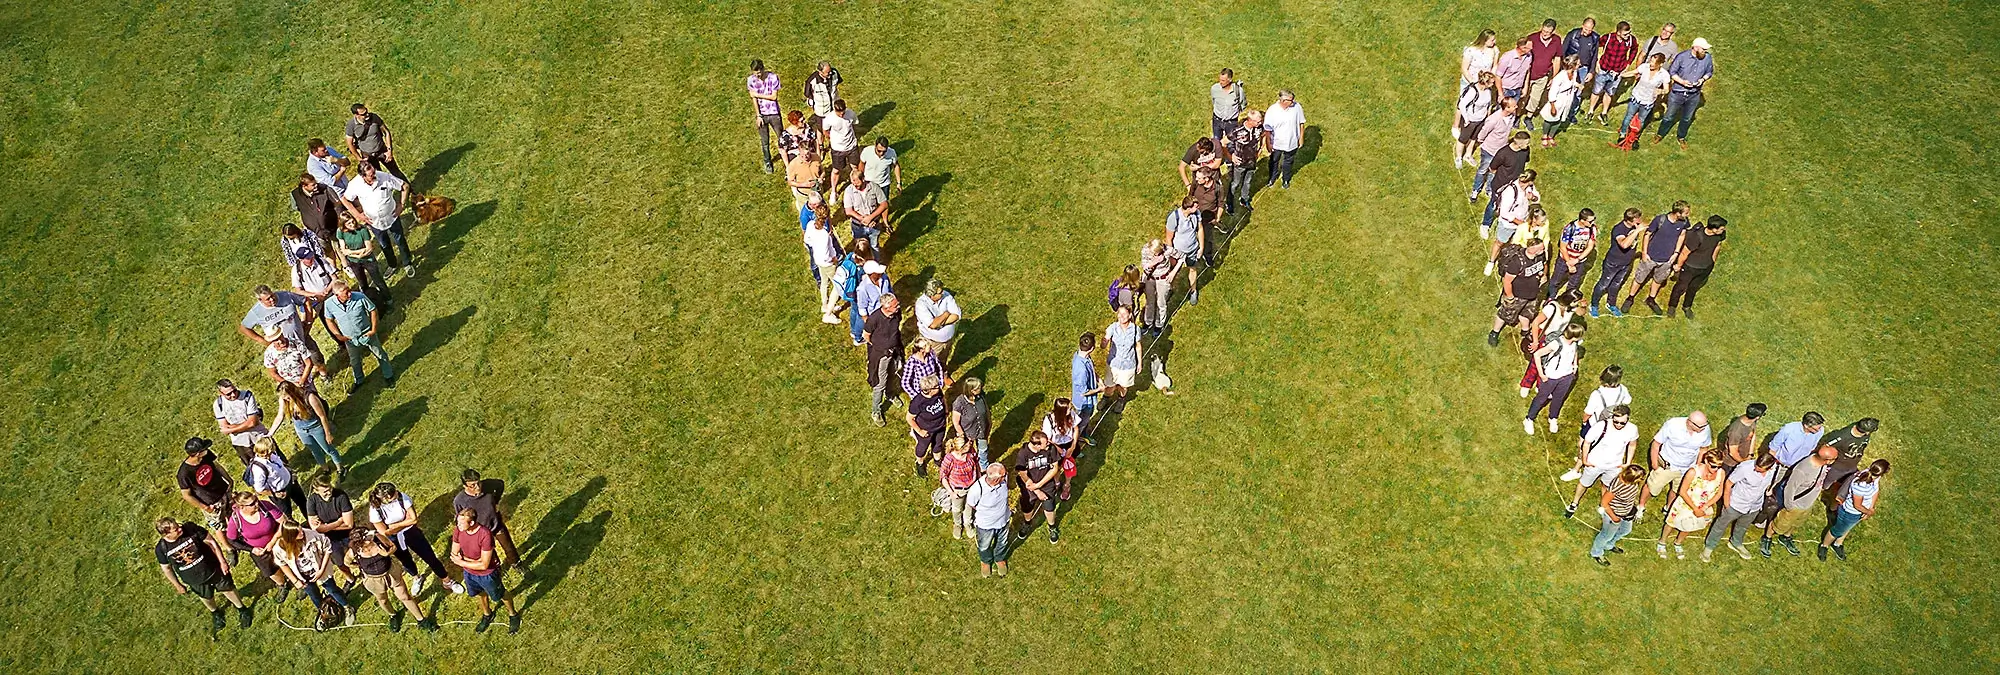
(326, 420)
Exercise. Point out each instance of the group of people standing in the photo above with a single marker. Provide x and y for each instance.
(948, 419)
(349, 239)
(1573, 77)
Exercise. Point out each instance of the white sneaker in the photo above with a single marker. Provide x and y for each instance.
(1660, 549)
(829, 319)
(1489, 268)
(1457, 161)
(417, 587)
(1485, 233)
(1528, 426)
(455, 586)
(1552, 425)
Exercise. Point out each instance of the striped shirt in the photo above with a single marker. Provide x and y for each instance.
(1624, 499)
(765, 86)
(916, 369)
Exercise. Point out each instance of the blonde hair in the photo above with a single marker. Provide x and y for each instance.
(264, 447)
(289, 538)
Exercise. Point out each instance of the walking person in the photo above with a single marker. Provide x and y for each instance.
(926, 418)
(355, 320)
(1159, 265)
(1663, 240)
(382, 575)
(1037, 465)
(1621, 249)
(251, 526)
(1620, 50)
(1557, 363)
(972, 419)
(1797, 494)
(1121, 341)
(1700, 250)
(867, 210)
(191, 560)
(306, 557)
(369, 139)
(1742, 498)
(238, 415)
(1476, 103)
(1521, 270)
(1692, 506)
(1544, 49)
(471, 550)
(763, 86)
(1675, 447)
(1690, 70)
(311, 422)
(1621, 508)
(1857, 503)
(1573, 250)
(391, 513)
(1243, 143)
(956, 474)
(1284, 130)
(1226, 100)
(203, 484)
(1189, 240)
(1084, 386)
(330, 512)
(267, 475)
(824, 250)
(1739, 437)
(986, 506)
(1560, 107)
(882, 331)
(376, 199)
(938, 319)
(485, 506)
(1604, 452)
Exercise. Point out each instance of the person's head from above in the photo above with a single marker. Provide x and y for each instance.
(862, 250)
(1812, 422)
(1567, 299)
(1589, 25)
(1524, 45)
(1701, 48)
(1621, 415)
(873, 268)
(1624, 28)
(1656, 62)
(168, 528)
(1188, 205)
(280, 343)
(1765, 461)
(860, 181)
(1826, 454)
(264, 448)
(245, 502)
(308, 183)
(919, 348)
(934, 289)
(1667, 31)
(367, 546)
(1537, 214)
(348, 223)
(226, 388)
(795, 119)
(1520, 139)
(1755, 411)
(1711, 458)
(1155, 248)
(890, 304)
(1535, 247)
(1086, 342)
(466, 520)
(930, 385)
(1204, 176)
(1572, 62)
(840, 106)
(1124, 314)
(307, 259)
(1485, 39)
(1063, 412)
(955, 446)
(1527, 177)
(469, 479)
(974, 386)
(1487, 80)
(1205, 146)
(1697, 421)
(1716, 224)
(1876, 469)
(1285, 98)
(1632, 474)
(360, 110)
(322, 485)
(295, 395)
(365, 171)
(383, 493)
(1253, 119)
(1587, 217)
(757, 67)
(1038, 440)
(1130, 277)
(1548, 27)
(996, 473)
(264, 295)
(197, 447)
(1633, 215)
(1866, 426)
(1226, 77)
(1613, 375)
(881, 145)
(317, 148)
(824, 68)
(1574, 332)
(1681, 208)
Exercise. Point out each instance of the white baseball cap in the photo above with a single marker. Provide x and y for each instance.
(1701, 43)
(872, 267)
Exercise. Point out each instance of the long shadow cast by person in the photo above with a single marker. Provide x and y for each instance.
(435, 167)
(1309, 143)
(907, 289)
(979, 371)
(428, 339)
(1222, 247)
(913, 213)
(866, 122)
(903, 147)
(364, 468)
(569, 551)
(445, 242)
(1014, 427)
(978, 335)
(554, 523)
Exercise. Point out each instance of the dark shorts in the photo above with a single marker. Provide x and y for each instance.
(207, 591)
(1469, 131)
(1512, 310)
(1031, 504)
(846, 159)
(485, 583)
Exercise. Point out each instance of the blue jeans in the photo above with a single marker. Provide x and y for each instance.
(992, 544)
(1607, 82)
(1843, 522)
(1608, 283)
(1485, 173)
(854, 320)
(980, 448)
(872, 234)
(367, 344)
(1635, 109)
(395, 244)
(320, 591)
(313, 436)
(1609, 535)
(1680, 107)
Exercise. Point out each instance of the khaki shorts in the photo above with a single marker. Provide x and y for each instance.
(1513, 310)
(1645, 270)
(387, 584)
(1661, 479)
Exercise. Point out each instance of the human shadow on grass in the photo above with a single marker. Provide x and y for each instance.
(364, 467)
(913, 213)
(1309, 143)
(866, 122)
(903, 147)
(979, 370)
(426, 177)
(1014, 427)
(975, 336)
(908, 288)
(559, 543)
(428, 339)
(445, 242)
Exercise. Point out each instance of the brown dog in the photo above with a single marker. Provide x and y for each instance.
(433, 208)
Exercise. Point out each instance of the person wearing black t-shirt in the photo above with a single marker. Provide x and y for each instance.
(485, 504)
(1852, 442)
(1521, 272)
(882, 331)
(1243, 143)
(1698, 255)
(191, 559)
(927, 416)
(1037, 465)
(203, 483)
(1618, 255)
(330, 511)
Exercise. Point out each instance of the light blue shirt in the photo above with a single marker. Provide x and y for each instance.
(1124, 346)
(351, 317)
(327, 172)
(1794, 443)
(868, 297)
(1685, 66)
(1082, 378)
(1185, 228)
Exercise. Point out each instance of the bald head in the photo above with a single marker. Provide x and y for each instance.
(1697, 420)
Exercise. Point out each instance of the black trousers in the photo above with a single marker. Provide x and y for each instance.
(383, 163)
(1690, 282)
(1560, 278)
(414, 541)
(1281, 165)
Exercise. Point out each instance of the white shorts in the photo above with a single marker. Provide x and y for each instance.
(1124, 378)
(1600, 475)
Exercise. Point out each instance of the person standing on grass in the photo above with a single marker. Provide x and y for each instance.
(853, 262)
(1857, 503)
(986, 508)
(1604, 452)
(286, 313)
(372, 553)
(1619, 49)
(1583, 43)
(882, 331)
(1700, 249)
(1792, 443)
(313, 281)
(1624, 246)
(376, 200)
(472, 551)
(1084, 386)
(1503, 155)
(923, 362)
(1557, 362)
(1610, 394)
(1739, 437)
(391, 513)
(330, 512)
(1207, 194)
(938, 318)
(485, 508)
(1544, 49)
(1796, 495)
(843, 139)
(238, 415)
(1125, 290)
(1243, 143)
(1576, 243)
(1662, 242)
(869, 291)
(802, 178)
(203, 483)
(1159, 264)
(310, 421)
(1852, 442)
(1521, 270)
(1064, 429)
(369, 138)
(1476, 103)
(1512, 70)
(824, 250)
(1226, 101)
(358, 249)
(307, 558)
(1510, 208)
(972, 419)
(881, 166)
(1649, 84)
(1560, 107)
(1693, 505)
(1478, 58)
(252, 524)
(326, 166)
(1037, 465)
(1205, 154)
(797, 138)
(957, 473)
(1679, 442)
(927, 416)
(1189, 239)
(287, 363)
(1742, 498)
(1621, 504)
(355, 320)
(1690, 70)
(867, 210)
(191, 560)
(1121, 340)
(1662, 44)
(267, 475)
(764, 98)
(1550, 321)
(319, 207)
(1284, 130)
(822, 90)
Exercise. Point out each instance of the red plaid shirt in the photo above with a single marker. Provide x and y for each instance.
(1618, 52)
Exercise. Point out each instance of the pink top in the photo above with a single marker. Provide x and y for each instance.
(1513, 70)
(256, 534)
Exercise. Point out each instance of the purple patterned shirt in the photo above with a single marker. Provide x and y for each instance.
(766, 86)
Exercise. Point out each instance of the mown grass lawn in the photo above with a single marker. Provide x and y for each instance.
(617, 323)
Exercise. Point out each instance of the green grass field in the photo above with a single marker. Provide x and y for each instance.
(617, 323)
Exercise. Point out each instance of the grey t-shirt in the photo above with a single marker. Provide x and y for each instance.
(1655, 45)
(367, 133)
(972, 416)
(286, 311)
(1226, 103)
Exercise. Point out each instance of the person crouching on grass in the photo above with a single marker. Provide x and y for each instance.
(372, 553)
(472, 551)
(191, 559)
(986, 509)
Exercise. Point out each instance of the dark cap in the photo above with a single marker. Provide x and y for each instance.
(198, 444)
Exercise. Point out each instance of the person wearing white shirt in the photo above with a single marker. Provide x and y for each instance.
(1857, 503)
(991, 517)
(840, 137)
(326, 165)
(824, 249)
(1610, 393)
(1646, 92)
(937, 318)
(1557, 364)
(1675, 448)
(1482, 56)
(237, 414)
(377, 198)
(1284, 130)
(267, 475)
(1604, 451)
(1742, 497)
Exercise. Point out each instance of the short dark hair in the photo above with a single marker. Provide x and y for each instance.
(1813, 419)
(1633, 213)
(1528, 175)
(469, 476)
(1681, 206)
(315, 144)
(881, 141)
(1766, 460)
(840, 105)
(1755, 410)
(1521, 135)
(1868, 425)
(1229, 72)
(1612, 375)
(1087, 342)
(1624, 25)
(358, 107)
(1621, 410)
(1548, 23)
(1206, 144)
(1717, 222)
(1586, 214)
(1187, 202)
